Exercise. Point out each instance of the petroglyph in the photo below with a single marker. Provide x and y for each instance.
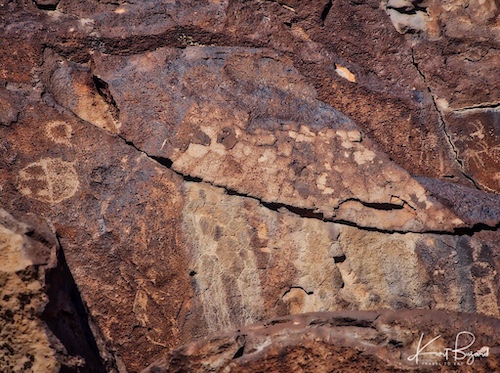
(482, 149)
(60, 132)
(263, 138)
(226, 267)
(239, 245)
(140, 307)
(50, 180)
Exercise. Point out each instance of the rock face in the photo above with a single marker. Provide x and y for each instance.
(26, 343)
(351, 341)
(208, 165)
(43, 324)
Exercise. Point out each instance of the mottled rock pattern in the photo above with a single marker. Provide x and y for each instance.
(210, 164)
(26, 343)
(35, 308)
(269, 138)
(250, 262)
(345, 342)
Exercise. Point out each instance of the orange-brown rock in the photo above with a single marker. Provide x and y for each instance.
(207, 165)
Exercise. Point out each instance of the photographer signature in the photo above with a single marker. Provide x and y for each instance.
(458, 353)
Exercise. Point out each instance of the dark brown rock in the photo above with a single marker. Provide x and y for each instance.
(122, 265)
(385, 341)
(475, 135)
(208, 165)
(9, 102)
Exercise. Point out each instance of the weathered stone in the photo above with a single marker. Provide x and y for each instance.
(33, 281)
(345, 342)
(215, 259)
(211, 164)
(74, 87)
(9, 111)
(124, 268)
(324, 166)
(471, 205)
(475, 134)
(409, 263)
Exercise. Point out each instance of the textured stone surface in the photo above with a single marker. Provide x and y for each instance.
(268, 138)
(345, 342)
(10, 107)
(26, 345)
(123, 267)
(211, 164)
(38, 304)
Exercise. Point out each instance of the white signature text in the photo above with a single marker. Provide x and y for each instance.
(459, 352)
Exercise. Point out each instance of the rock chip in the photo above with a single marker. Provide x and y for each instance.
(9, 107)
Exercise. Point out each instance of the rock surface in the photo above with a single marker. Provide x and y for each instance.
(351, 341)
(211, 164)
(40, 305)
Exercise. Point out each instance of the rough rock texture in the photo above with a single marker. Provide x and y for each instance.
(25, 341)
(211, 164)
(210, 117)
(40, 305)
(351, 341)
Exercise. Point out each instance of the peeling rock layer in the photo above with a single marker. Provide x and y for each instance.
(208, 165)
(345, 342)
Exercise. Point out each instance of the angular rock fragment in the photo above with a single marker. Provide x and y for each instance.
(40, 319)
(9, 107)
(269, 138)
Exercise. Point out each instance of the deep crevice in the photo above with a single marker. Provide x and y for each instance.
(395, 343)
(339, 259)
(443, 123)
(484, 106)
(67, 317)
(476, 228)
(382, 206)
(314, 214)
(239, 353)
(161, 160)
(103, 90)
(345, 321)
(326, 11)
(408, 10)
(50, 7)
(297, 287)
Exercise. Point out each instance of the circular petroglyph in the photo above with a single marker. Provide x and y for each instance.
(59, 132)
(49, 180)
